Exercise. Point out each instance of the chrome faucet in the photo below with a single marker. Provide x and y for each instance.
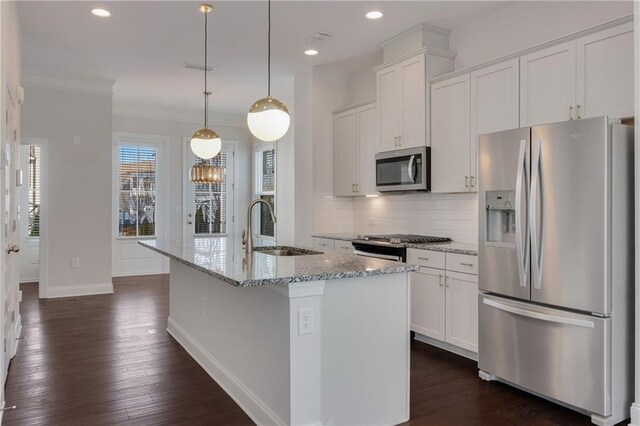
(247, 239)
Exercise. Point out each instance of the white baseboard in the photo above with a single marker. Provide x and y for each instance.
(446, 346)
(79, 290)
(257, 410)
(138, 273)
(635, 414)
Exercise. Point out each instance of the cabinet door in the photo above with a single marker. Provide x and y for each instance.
(368, 136)
(495, 94)
(605, 73)
(388, 107)
(412, 102)
(462, 310)
(548, 85)
(428, 303)
(344, 153)
(450, 153)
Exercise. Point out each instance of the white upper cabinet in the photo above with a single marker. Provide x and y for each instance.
(548, 85)
(355, 145)
(450, 137)
(588, 77)
(401, 91)
(605, 73)
(388, 108)
(495, 94)
(368, 136)
(412, 102)
(345, 153)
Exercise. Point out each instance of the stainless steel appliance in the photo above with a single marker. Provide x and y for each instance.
(404, 170)
(391, 247)
(556, 263)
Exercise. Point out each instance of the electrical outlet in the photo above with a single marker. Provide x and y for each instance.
(202, 306)
(20, 296)
(305, 321)
(75, 262)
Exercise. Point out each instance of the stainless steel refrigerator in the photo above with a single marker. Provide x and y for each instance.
(556, 263)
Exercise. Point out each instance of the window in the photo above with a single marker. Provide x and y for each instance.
(33, 226)
(211, 199)
(137, 166)
(265, 186)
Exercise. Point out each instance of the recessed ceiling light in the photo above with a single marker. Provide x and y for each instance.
(311, 52)
(374, 14)
(103, 13)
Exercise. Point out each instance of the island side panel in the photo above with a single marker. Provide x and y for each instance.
(240, 335)
(365, 357)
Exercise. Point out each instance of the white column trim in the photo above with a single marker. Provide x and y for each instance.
(635, 407)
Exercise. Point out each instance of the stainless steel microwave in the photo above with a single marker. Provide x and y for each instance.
(404, 170)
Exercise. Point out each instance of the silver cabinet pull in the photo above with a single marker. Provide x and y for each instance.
(440, 280)
(423, 258)
(466, 181)
(399, 140)
(446, 281)
(466, 264)
(570, 112)
(471, 180)
(578, 111)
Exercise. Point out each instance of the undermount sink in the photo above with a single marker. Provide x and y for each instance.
(285, 251)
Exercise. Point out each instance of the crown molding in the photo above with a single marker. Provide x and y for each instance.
(39, 78)
(417, 28)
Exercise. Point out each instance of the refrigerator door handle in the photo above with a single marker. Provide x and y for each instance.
(536, 255)
(539, 315)
(522, 241)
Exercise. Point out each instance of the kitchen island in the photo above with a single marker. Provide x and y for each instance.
(312, 339)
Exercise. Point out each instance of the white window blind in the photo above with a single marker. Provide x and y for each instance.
(265, 184)
(137, 167)
(211, 199)
(33, 226)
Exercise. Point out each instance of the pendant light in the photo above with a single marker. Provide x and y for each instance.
(206, 143)
(268, 118)
(206, 173)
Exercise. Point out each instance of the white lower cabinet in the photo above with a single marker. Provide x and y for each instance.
(428, 302)
(461, 317)
(444, 303)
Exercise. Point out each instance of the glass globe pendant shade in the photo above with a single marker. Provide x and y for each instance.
(205, 173)
(206, 143)
(268, 119)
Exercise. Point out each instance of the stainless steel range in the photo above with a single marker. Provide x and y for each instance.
(391, 246)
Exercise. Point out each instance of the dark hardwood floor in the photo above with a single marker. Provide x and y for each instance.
(108, 360)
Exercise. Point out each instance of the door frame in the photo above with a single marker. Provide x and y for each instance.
(233, 144)
(43, 249)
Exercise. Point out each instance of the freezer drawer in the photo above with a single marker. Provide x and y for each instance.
(560, 354)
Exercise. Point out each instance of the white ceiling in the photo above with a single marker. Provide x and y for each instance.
(143, 45)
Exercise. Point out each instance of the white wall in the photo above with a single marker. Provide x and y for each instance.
(525, 24)
(78, 184)
(229, 128)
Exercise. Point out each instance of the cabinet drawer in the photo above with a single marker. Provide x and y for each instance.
(343, 246)
(323, 244)
(430, 259)
(462, 263)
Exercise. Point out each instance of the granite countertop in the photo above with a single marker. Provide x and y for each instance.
(452, 247)
(342, 236)
(214, 257)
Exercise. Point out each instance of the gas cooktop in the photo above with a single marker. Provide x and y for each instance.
(403, 239)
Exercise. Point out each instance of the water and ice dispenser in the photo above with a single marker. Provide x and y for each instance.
(501, 216)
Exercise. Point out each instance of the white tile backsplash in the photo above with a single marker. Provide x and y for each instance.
(447, 215)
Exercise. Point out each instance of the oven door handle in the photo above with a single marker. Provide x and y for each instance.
(377, 256)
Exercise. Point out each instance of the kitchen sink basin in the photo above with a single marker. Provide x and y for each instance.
(285, 251)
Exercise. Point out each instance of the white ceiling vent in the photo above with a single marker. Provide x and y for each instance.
(198, 67)
(320, 36)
